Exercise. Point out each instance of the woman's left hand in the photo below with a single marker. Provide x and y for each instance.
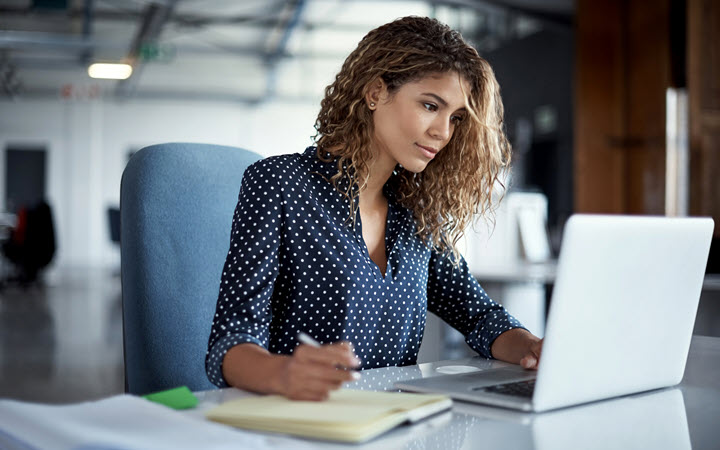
(531, 360)
(518, 346)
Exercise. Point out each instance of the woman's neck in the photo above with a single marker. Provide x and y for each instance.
(379, 171)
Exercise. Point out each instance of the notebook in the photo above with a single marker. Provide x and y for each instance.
(347, 416)
(621, 317)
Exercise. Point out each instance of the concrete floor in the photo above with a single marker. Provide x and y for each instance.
(61, 341)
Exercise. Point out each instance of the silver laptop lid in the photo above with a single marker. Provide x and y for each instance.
(623, 307)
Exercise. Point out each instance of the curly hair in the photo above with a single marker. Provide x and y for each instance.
(458, 182)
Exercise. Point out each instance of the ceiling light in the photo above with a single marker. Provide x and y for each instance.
(110, 71)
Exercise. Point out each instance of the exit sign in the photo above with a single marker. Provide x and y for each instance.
(155, 52)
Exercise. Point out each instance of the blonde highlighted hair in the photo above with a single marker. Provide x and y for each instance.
(459, 181)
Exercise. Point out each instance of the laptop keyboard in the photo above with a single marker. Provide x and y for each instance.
(517, 389)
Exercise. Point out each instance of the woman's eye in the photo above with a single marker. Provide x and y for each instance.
(430, 106)
(456, 119)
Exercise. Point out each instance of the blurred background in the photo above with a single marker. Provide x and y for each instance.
(611, 107)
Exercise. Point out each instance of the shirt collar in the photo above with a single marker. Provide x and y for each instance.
(326, 169)
(329, 169)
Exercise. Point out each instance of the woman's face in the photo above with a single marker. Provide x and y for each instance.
(417, 122)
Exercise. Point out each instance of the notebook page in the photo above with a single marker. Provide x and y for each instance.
(344, 406)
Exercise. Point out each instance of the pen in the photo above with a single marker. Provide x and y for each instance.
(306, 339)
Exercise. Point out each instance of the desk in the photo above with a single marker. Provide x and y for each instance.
(546, 272)
(677, 418)
(521, 287)
(520, 272)
(525, 289)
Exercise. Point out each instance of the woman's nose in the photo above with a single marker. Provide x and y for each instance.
(440, 128)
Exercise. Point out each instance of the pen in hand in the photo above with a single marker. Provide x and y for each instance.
(306, 339)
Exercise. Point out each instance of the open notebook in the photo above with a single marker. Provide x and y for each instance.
(348, 415)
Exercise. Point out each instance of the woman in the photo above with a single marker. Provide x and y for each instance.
(353, 241)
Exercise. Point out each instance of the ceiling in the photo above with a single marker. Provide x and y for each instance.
(222, 50)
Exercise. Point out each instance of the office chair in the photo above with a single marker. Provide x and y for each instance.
(31, 245)
(176, 208)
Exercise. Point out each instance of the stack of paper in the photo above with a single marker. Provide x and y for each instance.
(348, 415)
(120, 422)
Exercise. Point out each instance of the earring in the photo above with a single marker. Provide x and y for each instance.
(372, 104)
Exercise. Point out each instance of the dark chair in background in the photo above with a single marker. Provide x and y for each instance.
(114, 224)
(31, 246)
(176, 208)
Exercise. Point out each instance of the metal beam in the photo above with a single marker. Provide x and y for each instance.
(87, 54)
(10, 84)
(155, 18)
(38, 41)
(181, 96)
(563, 19)
(551, 19)
(278, 40)
(186, 19)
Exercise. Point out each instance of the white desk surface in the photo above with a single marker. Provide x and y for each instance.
(687, 416)
(520, 272)
(545, 273)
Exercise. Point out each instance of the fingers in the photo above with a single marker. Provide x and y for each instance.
(308, 395)
(340, 355)
(316, 385)
(331, 375)
(308, 382)
(311, 373)
(536, 347)
(531, 360)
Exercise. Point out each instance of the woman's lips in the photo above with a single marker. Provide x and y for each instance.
(429, 152)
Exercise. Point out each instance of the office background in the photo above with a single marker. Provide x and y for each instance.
(585, 86)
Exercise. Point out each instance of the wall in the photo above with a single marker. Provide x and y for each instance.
(535, 76)
(88, 144)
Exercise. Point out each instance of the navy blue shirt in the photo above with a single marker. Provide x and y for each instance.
(298, 263)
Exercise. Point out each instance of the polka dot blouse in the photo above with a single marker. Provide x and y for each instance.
(296, 263)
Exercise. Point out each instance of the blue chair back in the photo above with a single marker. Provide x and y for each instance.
(176, 208)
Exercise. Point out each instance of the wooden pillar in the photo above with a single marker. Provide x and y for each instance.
(703, 77)
(622, 73)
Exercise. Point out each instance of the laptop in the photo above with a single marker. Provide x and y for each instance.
(620, 321)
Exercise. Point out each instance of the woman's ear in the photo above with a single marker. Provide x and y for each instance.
(376, 91)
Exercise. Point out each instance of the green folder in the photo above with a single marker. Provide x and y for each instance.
(177, 398)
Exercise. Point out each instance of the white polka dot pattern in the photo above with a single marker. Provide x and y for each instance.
(296, 263)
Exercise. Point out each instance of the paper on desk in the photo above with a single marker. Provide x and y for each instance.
(120, 422)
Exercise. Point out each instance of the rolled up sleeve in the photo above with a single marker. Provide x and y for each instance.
(243, 312)
(455, 296)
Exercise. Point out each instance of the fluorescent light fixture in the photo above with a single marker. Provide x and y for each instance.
(110, 71)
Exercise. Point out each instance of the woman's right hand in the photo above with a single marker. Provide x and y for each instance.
(311, 373)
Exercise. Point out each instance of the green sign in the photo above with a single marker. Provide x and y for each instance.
(157, 53)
